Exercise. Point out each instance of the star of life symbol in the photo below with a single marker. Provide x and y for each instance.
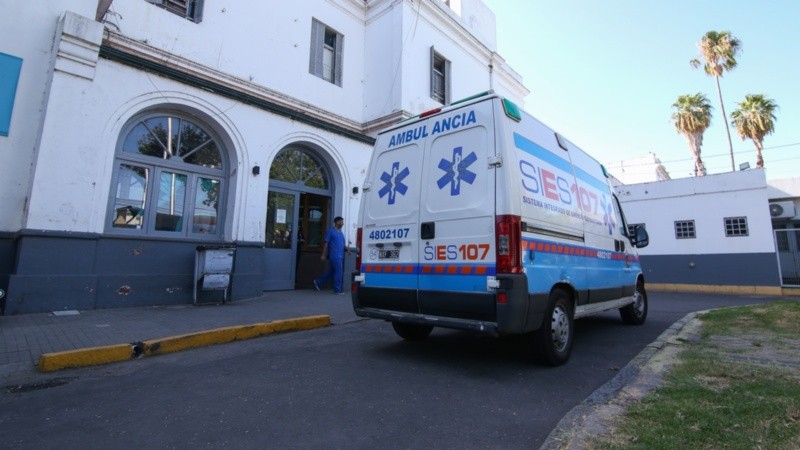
(394, 183)
(456, 171)
(608, 215)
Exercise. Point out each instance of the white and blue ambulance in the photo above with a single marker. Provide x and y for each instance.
(479, 217)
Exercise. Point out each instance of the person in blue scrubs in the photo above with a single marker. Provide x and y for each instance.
(333, 250)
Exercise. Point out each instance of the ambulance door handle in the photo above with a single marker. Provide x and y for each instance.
(427, 230)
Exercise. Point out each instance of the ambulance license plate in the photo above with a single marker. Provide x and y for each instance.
(389, 254)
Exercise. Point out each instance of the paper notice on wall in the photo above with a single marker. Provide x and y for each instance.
(280, 216)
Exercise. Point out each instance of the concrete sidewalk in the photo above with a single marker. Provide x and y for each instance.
(26, 337)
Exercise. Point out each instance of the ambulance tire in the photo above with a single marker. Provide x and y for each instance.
(552, 342)
(412, 332)
(636, 312)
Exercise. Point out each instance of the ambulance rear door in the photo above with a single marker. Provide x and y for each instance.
(390, 221)
(457, 214)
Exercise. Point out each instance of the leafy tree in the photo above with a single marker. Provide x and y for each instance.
(692, 117)
(754, 119)
(718, 50)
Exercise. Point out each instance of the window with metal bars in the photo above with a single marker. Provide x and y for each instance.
(736, 226)
(684, 229)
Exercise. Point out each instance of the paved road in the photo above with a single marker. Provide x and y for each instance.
(353, 385)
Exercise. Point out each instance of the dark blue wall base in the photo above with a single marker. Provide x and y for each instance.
(737, 269)
(59, 271)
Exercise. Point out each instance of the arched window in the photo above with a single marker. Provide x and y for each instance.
(298, 166)
(169, 179)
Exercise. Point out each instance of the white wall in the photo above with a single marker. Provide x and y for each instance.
(26, 33)
(384, 38)
(706, 200)
(786, 188)
(260, 42)
(481, 21)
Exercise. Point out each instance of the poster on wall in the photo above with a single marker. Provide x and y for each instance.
(10, 67)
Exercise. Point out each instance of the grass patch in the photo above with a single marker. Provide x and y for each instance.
(738, 387)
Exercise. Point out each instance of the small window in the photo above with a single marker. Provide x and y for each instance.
(326, 53)
(440, 78)
(684, 229)
(735, 226)
(189, 9)
(632, 228)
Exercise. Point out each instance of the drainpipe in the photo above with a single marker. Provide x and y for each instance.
(491, 71)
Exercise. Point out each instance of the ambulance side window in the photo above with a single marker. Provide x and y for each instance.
(623, 224)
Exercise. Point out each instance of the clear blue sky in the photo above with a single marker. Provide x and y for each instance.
(606, 73)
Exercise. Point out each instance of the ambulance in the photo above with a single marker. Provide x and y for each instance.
(477, 216)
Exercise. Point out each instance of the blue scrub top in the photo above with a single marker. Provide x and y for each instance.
(335, 240)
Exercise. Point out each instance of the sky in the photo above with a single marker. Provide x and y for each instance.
(606, 73)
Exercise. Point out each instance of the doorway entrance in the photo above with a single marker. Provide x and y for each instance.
(299, 205)
(787, 242)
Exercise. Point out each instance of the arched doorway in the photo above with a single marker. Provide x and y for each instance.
(298, 211)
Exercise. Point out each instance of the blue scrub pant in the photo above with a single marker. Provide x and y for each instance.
(335, 272)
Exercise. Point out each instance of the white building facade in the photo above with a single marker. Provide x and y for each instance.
(140, 131)
(711, 233)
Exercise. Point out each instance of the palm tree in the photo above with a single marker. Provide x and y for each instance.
(691, 117)
(718, 50)
(755, 119)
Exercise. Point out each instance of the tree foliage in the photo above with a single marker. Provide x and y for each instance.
(754, 119)
(692, 117)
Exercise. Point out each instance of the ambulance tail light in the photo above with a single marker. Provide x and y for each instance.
(508, 237)
(358, 249)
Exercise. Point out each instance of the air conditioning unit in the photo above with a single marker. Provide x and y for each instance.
(781, 210)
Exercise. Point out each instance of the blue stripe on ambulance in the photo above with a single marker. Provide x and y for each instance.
(540, 152)
(584, 267)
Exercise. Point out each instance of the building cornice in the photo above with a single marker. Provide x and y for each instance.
(138, 54)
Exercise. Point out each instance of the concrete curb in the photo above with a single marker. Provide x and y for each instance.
(596, 414)
(93, 356)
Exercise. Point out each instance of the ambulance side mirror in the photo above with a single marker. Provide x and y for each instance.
(640, 238)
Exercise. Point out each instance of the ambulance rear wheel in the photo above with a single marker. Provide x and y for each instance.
(412, 332)
(552, 342)
(636, 312)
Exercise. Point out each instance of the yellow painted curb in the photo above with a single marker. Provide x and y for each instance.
(716, 289)
(93, 356)
(50, 362)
